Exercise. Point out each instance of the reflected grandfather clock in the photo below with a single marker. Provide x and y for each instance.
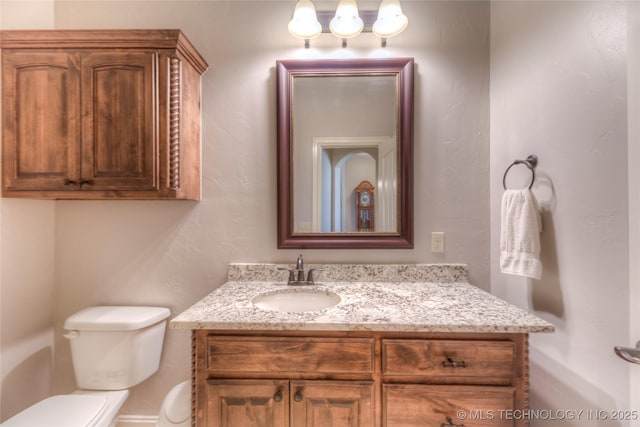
(364, 206)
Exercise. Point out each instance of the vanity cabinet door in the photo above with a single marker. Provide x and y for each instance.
(408, 405)
(332, 404)
(280, 403)
(247, 403)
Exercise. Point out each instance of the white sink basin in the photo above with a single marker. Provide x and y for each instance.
(296, 300)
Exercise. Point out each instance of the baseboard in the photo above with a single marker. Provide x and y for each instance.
(137, 421)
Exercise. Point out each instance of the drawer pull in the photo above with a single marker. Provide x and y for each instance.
(450, 423)
(450, 363)
(298, 396)
(68, 181)
(278, 396)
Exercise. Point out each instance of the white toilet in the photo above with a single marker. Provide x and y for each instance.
(113, 349)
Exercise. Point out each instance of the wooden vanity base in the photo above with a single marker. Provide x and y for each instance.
(359, 379)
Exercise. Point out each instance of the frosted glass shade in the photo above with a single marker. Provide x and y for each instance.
(304, 23)
(391, 21)
(347, 23)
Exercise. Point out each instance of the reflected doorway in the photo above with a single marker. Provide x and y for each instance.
(340, 165)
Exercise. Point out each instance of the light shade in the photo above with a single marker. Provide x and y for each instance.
(304, 23)
(347, 23)
(391, 21)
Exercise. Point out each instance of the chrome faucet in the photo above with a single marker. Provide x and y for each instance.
(300, 269)
(296, 276)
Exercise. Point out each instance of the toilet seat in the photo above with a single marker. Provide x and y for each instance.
(82, 408)
(62, 411)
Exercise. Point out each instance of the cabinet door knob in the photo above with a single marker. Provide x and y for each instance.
(278, 396)
(68, 181)
(450, 423)
(450, 363)
(298, 396)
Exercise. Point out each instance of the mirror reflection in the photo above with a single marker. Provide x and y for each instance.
(345, 128)
(345, 153)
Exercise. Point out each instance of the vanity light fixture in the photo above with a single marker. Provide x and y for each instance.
(347, 22)
(304, 24)
(391, 21)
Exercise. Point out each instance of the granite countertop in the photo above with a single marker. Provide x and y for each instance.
(449, 304)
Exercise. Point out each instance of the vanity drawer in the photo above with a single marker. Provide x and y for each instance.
(450, 361)
(411, 405)
(290, 354)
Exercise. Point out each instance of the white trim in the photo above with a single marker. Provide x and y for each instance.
(384, 144)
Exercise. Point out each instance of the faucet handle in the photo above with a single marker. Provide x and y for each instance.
(310, 274)
(291, 273)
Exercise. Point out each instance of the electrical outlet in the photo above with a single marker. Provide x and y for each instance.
(437, 242)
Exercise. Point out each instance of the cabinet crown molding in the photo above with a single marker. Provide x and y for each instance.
(104, 39)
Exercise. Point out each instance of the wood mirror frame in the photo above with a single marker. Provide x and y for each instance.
(287, 70)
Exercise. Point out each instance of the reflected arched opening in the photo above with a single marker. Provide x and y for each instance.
(342, 171)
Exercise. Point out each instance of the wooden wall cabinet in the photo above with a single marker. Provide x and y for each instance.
(100, 114)
(359, 379)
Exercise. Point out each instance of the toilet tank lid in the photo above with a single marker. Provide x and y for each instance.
(116, 318)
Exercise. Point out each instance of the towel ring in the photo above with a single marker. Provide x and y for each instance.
(531, 162)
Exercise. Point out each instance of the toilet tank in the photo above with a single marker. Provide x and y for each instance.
(114, 348)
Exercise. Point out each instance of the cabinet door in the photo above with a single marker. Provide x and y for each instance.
(332, 404)
(447, 406)
(120, 125)
(247, 403)
(41, 120)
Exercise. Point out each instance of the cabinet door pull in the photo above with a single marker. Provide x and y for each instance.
(450, 423)
(278, 396)
(83, 181)
(450, 363)
(68, 181)
(298, 396)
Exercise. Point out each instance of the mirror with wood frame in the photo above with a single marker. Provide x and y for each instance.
(342, 122)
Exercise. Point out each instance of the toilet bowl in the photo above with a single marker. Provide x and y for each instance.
(176, 407)
(113, 349)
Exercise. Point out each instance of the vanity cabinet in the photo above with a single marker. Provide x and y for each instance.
(100, 114)
(358, 379)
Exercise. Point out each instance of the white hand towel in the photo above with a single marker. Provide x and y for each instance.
(520, 234)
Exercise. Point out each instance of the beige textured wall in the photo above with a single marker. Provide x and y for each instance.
(559, 90)
(26, 269)
(633, 93)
